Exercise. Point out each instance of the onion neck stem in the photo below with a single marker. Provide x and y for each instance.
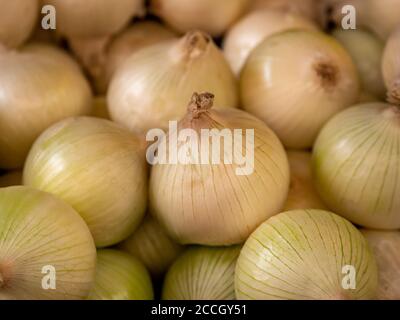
(199, 104)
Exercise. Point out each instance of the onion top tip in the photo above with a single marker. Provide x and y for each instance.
(200, 103)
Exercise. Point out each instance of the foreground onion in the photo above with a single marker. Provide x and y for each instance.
(217, 203)
(300, 255)
(202, 273)
(41, 237)
(391, 67)
(17, 20)
(13, 178)
(213, 17)
(152, 245)
(307, 8)
(98, 168)
(366, 50)
(385, 246)
(295, 81)
(38, 87)
(120, 276)
(154, 85)
(249, 32)
(356, 165)
(302, 193)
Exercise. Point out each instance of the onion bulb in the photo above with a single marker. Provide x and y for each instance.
(153, 246)
(296, 81)
(202, 273)
(250, 31)
(213, 17)
(120, 276)
(385, 246)
(12, 178)
(302, 193)
(17, 20)
(366, 50)
(306, 8)
(46, 250)
(306, 255)
(356, 165)
(153, 86)
(98, 168)
(391, 67)
(38, 87)
(218, 202)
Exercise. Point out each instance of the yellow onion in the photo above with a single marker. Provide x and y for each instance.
(98, 168)
(306, 255)
(94, 18)
(385, 246)
(153, 246)
(297, 80)
(391, 67)
(153, 85)
(252, 29)
(12, 178)
(366, 50)
(100, 109)
(202, 273)
(302, 193)
(218, 202)
(17, 20)
(213, 17)
(307, 8)
(120, 276)
(356, 165)
(38, 87)
(46, 250)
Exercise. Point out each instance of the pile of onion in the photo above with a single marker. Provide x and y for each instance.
(153, 85)
(98, 168)
(306, 255)
(296, 81)
(46, 250)
(120, 276)
(218, 202)
(356, 165)
(391, 66)
(202, 273)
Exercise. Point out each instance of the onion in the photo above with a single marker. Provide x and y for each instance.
(301, 255)
(12, 178)
(356, 165)
(302, 193)
(38, 87)
(94, 18)
(153, 85)
(17, 20)
(213, 17)
(100, 108)
(98, 168)
(295, 94)
(202, 273)
(250, 31)
(153, 246)
(366, 50)
(120, 276)
(307, 8)
(385, 246)
(46, 250)
(212, 204)
(391, 67)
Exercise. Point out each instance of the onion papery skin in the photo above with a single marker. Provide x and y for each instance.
(385, 245)
(210, 204)
(252, 29)
(38, 230)
(366, 49)
(297, 94)
(120, 276)
(17, 20)
(151, 244)
(12, 178)
(300, 255)
(98, 168)
(37, 89)
(302, 192)
(213, 17)
(307, 8)
(153, 86)
(202, 273)
(94, 18)
(356, 165)
(391, 66)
